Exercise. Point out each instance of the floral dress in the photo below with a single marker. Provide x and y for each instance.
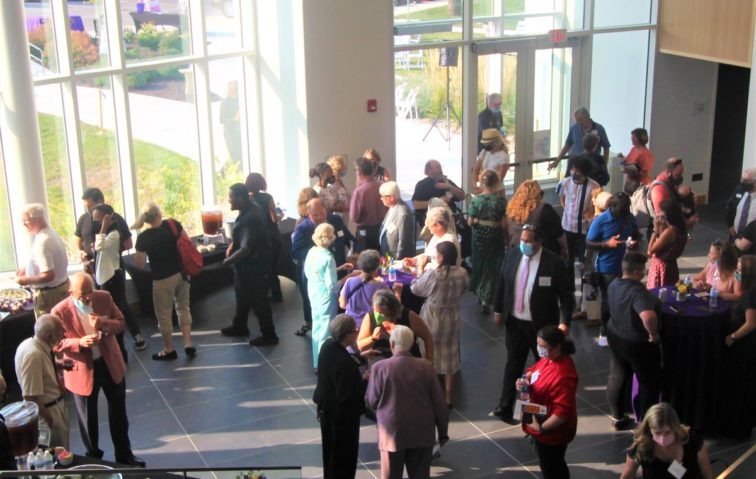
(488, 245)
(663, 269)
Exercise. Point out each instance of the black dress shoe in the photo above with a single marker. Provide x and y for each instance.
(505, 414)
(234, 331)
(263, 341)
(132, 461)
(96, 454)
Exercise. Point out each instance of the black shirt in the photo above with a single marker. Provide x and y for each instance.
(657, 469)
(86, 233)
(251, 234)
(488, 119)
(627, 299)
(750, 235)
(425, 190)
(160, 245)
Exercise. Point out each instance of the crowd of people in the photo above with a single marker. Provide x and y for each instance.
(519, 257)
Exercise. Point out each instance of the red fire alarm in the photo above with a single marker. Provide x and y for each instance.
(372, 106)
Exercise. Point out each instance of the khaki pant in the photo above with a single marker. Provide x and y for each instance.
(58, 435)
(46, 299)
(167, 292)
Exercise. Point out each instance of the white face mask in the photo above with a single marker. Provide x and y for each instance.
(542, 352)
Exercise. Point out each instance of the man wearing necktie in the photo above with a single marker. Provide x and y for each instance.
(37, 374)
(746, 210)
(532, 291)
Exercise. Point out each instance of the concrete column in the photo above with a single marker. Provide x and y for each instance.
(21, 143)
(749, 153)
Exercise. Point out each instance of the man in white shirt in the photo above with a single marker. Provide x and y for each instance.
(37, 374)
(47, 270)
(575, 194)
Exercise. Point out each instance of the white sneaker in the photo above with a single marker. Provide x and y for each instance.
(603, 342)
(139, 343)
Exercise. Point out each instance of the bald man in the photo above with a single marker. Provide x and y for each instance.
(742, 204)
(91, 322)
(301, 242)
(40, 380)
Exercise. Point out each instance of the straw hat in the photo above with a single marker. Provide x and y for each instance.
(490, 135)
(603, 200)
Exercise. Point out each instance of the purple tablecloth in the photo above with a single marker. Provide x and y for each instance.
(415, 303)
(693, 349)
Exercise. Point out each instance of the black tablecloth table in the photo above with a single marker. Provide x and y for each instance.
(693, 353)
(13, 330)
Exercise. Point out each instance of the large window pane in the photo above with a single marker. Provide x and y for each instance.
(222, 26)
(160, 31)
(89, 37)
(612, 13)
(496, 18)
(164, 134)
(100, 151)
(42, 48)
(225, 77)
(620, 63)
(422, 130)
(55, 157)
(7, 247)
(427, 22)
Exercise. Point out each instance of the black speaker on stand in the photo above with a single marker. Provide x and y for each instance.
(447, 58)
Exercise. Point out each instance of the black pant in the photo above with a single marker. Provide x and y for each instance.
(251, 291)
(341, 442)
(86, 409)
(575, 249)
(367, 237)
(628, 357)
(273, 282)
(520, 340)
(551, 460)
(604, 281)
(116, 286)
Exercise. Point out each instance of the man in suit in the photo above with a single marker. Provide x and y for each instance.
(91, 322)
(406, 396)
(397, 235)
(532, 291)
(340, 396)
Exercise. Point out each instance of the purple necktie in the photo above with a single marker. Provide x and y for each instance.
(744, 214)
(522, 284)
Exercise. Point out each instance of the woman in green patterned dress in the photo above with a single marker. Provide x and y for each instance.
(488, 218)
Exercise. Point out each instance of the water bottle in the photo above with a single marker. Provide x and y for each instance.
(713, 296)
(39, 459)
(392, 273)
(30, 460)
(688, 282)
(663, 294)
(715, 278)
(524, 389)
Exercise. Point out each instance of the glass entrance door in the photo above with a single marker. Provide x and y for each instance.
(536, 81)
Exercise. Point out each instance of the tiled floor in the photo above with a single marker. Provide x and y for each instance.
(234, 405)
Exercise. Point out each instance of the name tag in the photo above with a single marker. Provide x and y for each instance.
(534, 377)
(676, 469)
(361, 232)
(340, 234)
(544, 281)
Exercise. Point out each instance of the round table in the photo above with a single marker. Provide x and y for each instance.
(693, 352)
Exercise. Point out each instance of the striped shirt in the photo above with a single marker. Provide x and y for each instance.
(570, 193)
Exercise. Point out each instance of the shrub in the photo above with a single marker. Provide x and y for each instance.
(148, 36)
(83, 50)
(137, 80)
(170, 41)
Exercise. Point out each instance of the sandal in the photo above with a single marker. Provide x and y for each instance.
(164, 355)
(303, 330)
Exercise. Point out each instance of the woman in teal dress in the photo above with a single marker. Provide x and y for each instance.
(322, 285)
(488, 218)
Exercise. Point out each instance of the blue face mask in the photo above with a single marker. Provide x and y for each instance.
(526, 248)
(542, 352)
(495, 110)
(342, 174)
(738, 276)
(86, 309)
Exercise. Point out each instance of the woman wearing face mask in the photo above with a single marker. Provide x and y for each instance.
(667, 243)
(663, 445)
(324, 185)
(494, 156)
(552, 382)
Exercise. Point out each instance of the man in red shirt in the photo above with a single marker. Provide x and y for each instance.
(366, 209)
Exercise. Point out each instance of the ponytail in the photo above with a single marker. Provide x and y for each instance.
(148, 215)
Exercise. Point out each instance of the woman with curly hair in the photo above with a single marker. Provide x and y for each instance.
(528, 208)
(661, 441)
(305, 195)
(381, 173)
(338, 164)
(324, 185)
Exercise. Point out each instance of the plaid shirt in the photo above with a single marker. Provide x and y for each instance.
(570, 193)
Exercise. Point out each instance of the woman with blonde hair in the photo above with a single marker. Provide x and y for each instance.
(305, 195)
(158, 242)
(660, 442)
(338, 164)
(322, 285)
(380, 173)
(494, 156)
(528, 208)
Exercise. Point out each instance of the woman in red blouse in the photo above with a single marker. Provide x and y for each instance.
(552, 383)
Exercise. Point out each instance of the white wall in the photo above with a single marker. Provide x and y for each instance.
(682, 115)
(749, 152)
(349, 59)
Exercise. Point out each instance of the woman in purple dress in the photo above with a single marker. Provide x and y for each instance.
(357, 294)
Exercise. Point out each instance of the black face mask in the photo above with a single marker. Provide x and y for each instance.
(96, 227)
(330, 180)
(746, 185)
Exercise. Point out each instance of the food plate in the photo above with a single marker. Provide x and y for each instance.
(14, 299)
(72, 474)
